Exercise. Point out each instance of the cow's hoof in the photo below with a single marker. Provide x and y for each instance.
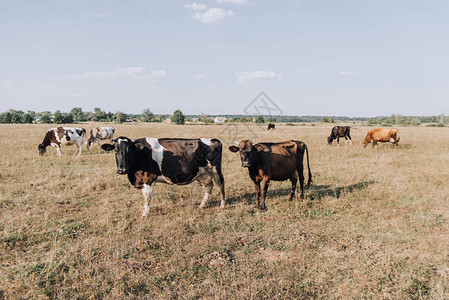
(262, 208)
(301, 196)
(202, 206)
(145, 214)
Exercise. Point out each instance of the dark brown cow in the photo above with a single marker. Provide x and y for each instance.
(274, 161)
(383, 135)
(340, 132)
(271, 126)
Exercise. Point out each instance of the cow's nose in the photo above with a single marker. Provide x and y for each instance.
(245, 164)
(121, 171)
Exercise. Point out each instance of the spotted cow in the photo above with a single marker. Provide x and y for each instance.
(100, 133)
(56, 137)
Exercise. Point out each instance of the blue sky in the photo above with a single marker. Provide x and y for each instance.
(349, 57)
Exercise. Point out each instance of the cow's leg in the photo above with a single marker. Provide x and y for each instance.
(58, 150)
(338, 141)
(147, 193)
(265, 184)
(218, 181)
(257, 186)
(80, 148)
(301, 179)
(294, 183)
(206, 195)
(374, 143)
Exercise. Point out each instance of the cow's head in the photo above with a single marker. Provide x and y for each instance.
(90, 141)
(329, 140)
(125, 153)
(366, 141)
(42, 149)
(248, 153)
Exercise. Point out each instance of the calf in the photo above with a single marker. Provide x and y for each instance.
(271, 126)
(172, 161)
(340, 132)
(382, 135)
(62, 136)
(274, 161)
(100, 133)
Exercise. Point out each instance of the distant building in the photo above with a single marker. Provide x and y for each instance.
(36, 119)
(220, 119)
(168, 120)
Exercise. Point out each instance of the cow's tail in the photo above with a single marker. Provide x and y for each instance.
(309, 181)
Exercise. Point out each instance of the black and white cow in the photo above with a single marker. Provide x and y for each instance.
(172, 161)
(56, 137)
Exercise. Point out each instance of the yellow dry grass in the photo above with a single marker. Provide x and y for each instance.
(374, 224)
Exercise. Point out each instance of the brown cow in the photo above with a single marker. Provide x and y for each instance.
(383, 135)
(271, 126)
(274, 161)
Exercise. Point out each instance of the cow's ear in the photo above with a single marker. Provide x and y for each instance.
(140, 146)
(107, 147)
(233, 149)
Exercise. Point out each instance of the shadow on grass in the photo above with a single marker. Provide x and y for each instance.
(315, 192)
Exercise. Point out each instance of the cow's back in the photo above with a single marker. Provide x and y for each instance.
(279, 160)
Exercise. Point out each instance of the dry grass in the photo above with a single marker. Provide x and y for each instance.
(375, 223)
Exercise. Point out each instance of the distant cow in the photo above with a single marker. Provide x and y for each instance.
(172, 161)
(63, 136)
(274, 161)
(382, 135)
(100, 133)
(271, 126)
(340, 132)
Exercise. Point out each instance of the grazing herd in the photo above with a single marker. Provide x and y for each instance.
(181, 161)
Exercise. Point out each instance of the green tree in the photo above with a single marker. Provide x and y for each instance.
(147, 116)
(99, 115)
(178, 117)
(414, 122)
(27, 118)
(372, 121)
(67, 118)
(58, 118)
(45, 118)
(78, 114)
(5, 117)
(119, 117)
(325, 119)
(259, 119)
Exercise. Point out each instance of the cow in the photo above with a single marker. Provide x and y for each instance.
(56, 137)
(99, 133)
(340, 132)
(273, 161)
(383, 135)
(171, 161)
(271, 126)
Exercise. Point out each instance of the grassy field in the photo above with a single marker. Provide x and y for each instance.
(373, 225)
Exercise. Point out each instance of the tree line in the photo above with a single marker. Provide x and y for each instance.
(77, 115)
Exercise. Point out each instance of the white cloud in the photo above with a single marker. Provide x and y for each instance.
(140, 73)
(199, 77)
(213, 15)
(241, 2)
(257, 75)
(196, 6)
(349, 73)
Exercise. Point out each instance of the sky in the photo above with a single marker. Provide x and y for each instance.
(310, 57)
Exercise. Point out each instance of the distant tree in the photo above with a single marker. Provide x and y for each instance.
(58, 118)
(178, 117)
(119, 117)
(16, 116)
(391, 119)
(67, 118)
(147, 116)
(99, 115)
(78, 114)
(325, 119)
(414, 122)
(5, 117)
(45, 118)
(259, 120)
(372, 121)
(27, 118)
